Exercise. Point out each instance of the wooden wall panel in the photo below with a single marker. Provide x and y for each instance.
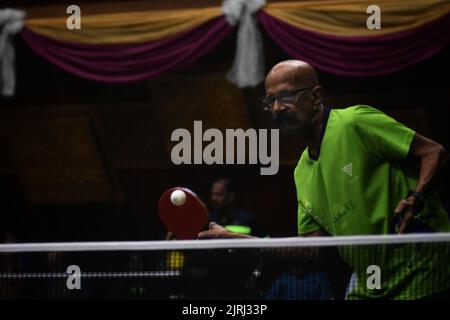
(179, 101)
(57, 160)
(132, 138)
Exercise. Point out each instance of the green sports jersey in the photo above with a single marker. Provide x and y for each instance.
(353, 187)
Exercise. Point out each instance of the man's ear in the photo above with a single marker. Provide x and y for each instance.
(317, 96)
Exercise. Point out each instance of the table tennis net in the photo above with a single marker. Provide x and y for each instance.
(364, 267)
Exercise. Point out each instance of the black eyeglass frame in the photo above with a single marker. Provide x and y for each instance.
(269, 102)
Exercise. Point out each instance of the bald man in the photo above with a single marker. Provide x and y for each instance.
(353, 179)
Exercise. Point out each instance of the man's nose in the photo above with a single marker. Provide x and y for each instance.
(277, 106)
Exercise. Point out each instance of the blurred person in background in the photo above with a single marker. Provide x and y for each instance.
(227, 213)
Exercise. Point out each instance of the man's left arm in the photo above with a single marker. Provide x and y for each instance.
(432, 158)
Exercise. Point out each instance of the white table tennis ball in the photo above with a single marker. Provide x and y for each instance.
(178, 197)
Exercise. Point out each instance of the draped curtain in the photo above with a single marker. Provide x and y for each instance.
(331, 35)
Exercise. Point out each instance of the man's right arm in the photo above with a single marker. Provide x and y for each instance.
(216, 231)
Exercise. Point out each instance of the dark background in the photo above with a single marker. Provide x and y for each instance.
(81, 160)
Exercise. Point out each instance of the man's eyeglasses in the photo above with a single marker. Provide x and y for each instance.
(285, 97)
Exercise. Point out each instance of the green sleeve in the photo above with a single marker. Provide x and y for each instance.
(380, 134)
(305, 223)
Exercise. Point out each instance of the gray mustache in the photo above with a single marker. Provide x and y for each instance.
(283, 116)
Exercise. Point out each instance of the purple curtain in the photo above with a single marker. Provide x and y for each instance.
(359, 55)
(130, 62)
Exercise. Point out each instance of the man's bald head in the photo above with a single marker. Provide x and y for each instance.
(294, 96)
(294, 73)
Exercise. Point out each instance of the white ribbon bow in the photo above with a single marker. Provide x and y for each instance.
(248, 64)
(11, 22)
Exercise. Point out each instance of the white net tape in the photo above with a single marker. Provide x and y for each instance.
(226, 244)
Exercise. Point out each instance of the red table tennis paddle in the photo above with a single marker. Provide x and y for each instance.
(185, 220)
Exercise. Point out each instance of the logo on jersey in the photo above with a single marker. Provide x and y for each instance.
(348, 169)
(342, 211)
